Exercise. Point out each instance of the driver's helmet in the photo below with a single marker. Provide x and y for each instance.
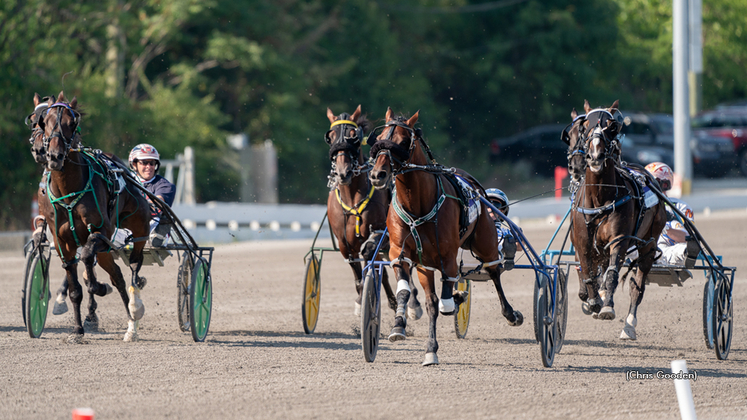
(144, 151)
(663, 173)
(499, 199)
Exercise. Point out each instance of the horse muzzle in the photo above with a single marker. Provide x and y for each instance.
(55, 163)
(379, 178)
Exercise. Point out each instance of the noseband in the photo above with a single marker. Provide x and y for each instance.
(397, 153)
(57, 129)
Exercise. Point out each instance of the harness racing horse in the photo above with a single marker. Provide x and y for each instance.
(84, 212)
(356, 210)
(612, 212)
(425, 225)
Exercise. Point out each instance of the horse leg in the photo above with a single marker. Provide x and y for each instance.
(106, 261)
(514, 318)
(414, 310)
(93, 246)
(637, 288)
(357, 276)
(75, 292)
(611, 276)
(590, 300)
(431, 305)
(60, 305)
(391, 298)
(402, 270)
(135, 305)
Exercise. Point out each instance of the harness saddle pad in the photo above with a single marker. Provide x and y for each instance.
(650, 199)
(470, 199)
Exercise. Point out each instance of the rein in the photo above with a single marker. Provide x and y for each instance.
(356, 210)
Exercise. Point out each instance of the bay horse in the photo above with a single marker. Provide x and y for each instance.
(612, 212)
(356, 210)
(425, 225)
(84, 211)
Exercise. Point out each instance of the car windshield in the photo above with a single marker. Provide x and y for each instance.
(718, 120)
(663, 126)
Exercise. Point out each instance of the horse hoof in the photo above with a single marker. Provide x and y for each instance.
(595, 305)
(415, 313)
(91, 324)
(430, 359)
(130, 337)
(586, 308)
(136, 307)
(397, 334)
(109, 289)
(357, 310)
(60, 305)
(141, 282)
(75, 339)
(628, 333)
(607, 313)
(518, 319)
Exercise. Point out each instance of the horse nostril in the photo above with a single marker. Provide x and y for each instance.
(380, 175)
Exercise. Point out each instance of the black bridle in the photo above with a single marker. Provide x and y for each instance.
(57, 129)
(348, 145)
(399, 154)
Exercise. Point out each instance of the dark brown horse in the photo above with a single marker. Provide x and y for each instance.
(356, 211)
(83, 212)
(425, 226)
(609, 217)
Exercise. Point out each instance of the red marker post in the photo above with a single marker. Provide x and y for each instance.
(561, 173)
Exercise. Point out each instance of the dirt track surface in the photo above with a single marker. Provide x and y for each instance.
(258, 363)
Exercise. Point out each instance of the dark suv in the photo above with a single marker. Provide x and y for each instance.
(727, 123)
(540, 146)
(650, 138)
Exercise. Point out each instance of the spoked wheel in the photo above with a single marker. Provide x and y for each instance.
(461, 318)
(37, 295)
(200, 300)
(561, 309)
(311, 295)
(548, 328)
(182, 297)
(370, 315)
(708, 290)
(29, 259)
(723, 317)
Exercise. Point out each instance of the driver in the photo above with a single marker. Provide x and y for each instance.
(506, 240)
(145, 161)
(674, 241)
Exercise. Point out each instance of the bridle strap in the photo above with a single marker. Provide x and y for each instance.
(356, 210)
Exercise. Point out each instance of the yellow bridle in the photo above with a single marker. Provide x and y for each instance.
(338, 122)
(357, 210)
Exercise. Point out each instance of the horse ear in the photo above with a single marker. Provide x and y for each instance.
(574, 114)
(587, 107)
(388, 116)
(616, 104)
(411, 122)
(61, 96)
(330, 116)
(37, 99)
(356, 114)
(74, 102)
(50, 101)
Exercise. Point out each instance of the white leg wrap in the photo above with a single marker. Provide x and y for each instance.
(632, 320)
(131, 334)
(628, 332)
(602, 294)
(446, 305)
(403, 285)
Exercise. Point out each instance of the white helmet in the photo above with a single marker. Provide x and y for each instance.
(144, 151)
(494, 194)
(663, 173)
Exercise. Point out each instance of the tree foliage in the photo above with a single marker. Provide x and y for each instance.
(189, 72)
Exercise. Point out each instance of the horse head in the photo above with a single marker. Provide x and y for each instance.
(37, 134)
(345, 137)
(599, 132)
(571, 135)
(393, 147)
(59, 125)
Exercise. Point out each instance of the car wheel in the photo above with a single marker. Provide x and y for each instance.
(743, 161)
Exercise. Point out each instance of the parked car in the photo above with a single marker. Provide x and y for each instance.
(726, 123)
(540, 146)
(650, 138)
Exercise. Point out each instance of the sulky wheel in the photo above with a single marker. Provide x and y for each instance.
(546, 326)
(311, 295)
(370, 315)
(561, 309)
(461, 318)
(29, 259)
(182, 286)
(200, 300)
(708, 289)
(37, 294)
(723, 316)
